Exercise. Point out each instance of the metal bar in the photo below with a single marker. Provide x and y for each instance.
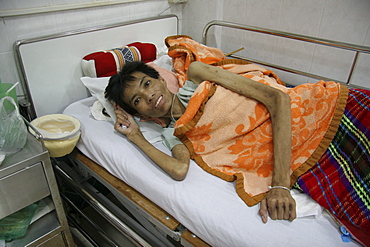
(158, 230)
(285, 69)
(297, 72)
(36, 133)
(159, 240)
(82, 231)
(100, 231)
(123, 228)
(129, 204)
(352, 68)
(91, 29)
(151, 235)
(304, 38)
(310, 39)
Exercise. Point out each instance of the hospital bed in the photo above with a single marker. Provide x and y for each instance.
(120, 183)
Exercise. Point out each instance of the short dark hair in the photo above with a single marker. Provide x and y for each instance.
(120, 81)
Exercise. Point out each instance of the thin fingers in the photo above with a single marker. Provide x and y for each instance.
(286, 213)
(281, 209)
(122, 119)
(293, 212)
(263, 211)
(273, 209)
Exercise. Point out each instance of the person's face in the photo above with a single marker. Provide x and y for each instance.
(149, 96)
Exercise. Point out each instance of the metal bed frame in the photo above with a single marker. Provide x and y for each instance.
(135, 217)
(157, 230)
(336, 44)
(140, 227)
(145, 224)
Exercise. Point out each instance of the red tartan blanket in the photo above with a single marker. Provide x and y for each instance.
(340, 180)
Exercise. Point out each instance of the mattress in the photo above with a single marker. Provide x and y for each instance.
(206, 205)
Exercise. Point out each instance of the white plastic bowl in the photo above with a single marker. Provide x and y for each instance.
(59, 131)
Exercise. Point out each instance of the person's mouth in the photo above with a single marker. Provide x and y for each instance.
(158, 101)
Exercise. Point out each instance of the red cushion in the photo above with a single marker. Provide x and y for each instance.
(104, 63)
(147, 51)
(108, 63)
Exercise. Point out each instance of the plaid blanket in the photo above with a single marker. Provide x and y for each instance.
(340, 180)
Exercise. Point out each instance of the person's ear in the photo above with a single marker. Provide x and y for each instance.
(162, 80)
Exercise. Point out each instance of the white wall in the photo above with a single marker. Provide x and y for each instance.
(22, 27)
(340, 20)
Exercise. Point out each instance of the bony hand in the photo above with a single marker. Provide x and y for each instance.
(125, 123)
(278, 204)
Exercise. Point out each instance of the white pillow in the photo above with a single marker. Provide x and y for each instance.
(96, 86)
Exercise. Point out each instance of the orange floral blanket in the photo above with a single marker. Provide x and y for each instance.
(184, 50)
(230, 136)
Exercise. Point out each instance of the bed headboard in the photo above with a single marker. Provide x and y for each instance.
(51, 65)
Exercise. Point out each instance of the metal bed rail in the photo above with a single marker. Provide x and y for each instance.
(137, 225)
(320, 41)
(113, 219)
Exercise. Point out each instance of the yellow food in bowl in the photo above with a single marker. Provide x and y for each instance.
(60, 133)
(59, 148)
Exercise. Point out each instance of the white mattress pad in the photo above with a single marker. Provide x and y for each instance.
(206, 205)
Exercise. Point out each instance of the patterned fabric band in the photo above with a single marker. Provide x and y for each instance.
(123, 54)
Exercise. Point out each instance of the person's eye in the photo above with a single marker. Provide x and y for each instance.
(147, 83)
(136, 101)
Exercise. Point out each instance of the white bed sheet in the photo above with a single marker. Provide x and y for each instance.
(203, 203)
